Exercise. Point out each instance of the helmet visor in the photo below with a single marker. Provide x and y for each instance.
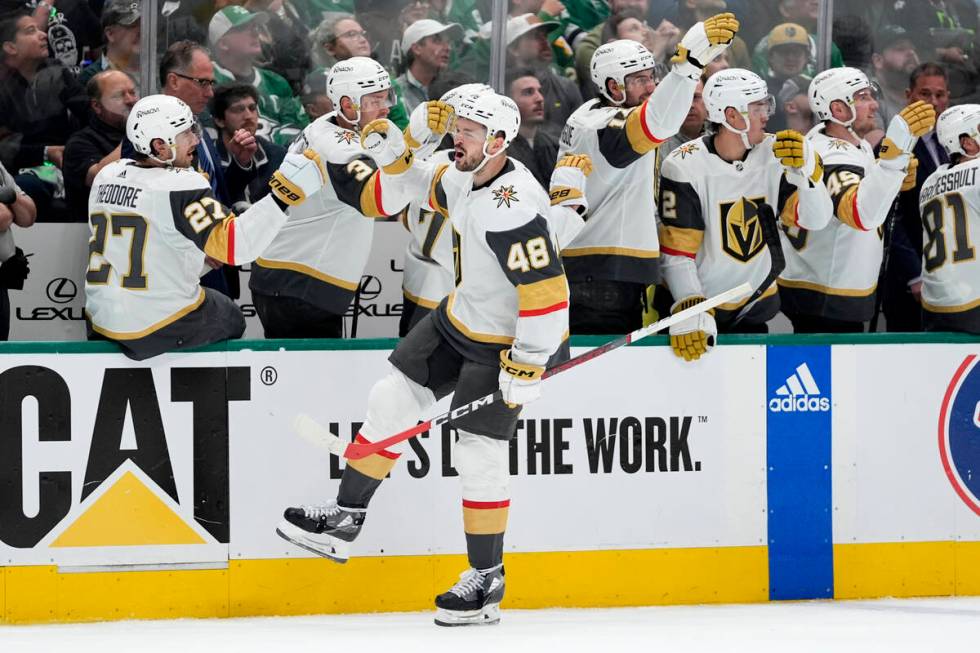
(378, 100)
(764, 108)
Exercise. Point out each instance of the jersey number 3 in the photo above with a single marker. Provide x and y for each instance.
(532, 254)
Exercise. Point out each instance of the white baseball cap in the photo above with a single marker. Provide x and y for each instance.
(428, 27)
(518, 26)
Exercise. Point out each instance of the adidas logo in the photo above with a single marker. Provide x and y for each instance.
(800, 393)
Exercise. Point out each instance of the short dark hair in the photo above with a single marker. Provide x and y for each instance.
(927, 69)
(8, 25)
(610, 29)
(227, 94)
(515, 74)
(178, 57)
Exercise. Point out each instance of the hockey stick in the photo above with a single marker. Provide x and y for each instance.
(886, 243)
(770, 235)
(314, 432)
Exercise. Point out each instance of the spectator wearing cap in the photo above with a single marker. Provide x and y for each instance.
(234, 35)
(893, 61)
(532, 146)
(42, 104)
(802, 13)
(121, 31)
(528, 47)
(235, 110)
(315, 100)
(112, 94)
(426, 47)
(902, 293)
(789, 54)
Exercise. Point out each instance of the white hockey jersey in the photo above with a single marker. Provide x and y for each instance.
(833, 272)
(428, 266)
(151, 228)
(320, 253)
(709, 243)
(510, 288)
(950, 206)
(619, 240)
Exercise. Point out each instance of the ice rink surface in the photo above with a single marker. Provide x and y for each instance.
(921, 625)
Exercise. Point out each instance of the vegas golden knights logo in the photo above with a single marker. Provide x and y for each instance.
(741, 233)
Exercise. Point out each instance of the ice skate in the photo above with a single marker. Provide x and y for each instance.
(474, 600)
(326, 530)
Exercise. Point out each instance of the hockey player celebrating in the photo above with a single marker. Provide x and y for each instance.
(829, 282)
(428, 274)
(950, 204)
(154, 219)
(615, 256)
(506, 318)
(711, 191)
(304, 282)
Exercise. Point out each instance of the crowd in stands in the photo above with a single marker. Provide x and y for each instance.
(254, 73)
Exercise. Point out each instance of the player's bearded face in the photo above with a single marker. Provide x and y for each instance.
(468, 143)
(374, 106)
(184, 145)
(639, 86)
(865, 107)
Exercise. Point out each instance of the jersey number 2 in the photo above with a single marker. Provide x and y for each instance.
(102, 224)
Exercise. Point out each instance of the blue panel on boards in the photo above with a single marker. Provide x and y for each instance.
(798, 456)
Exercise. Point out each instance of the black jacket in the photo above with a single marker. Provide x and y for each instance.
(83, 150)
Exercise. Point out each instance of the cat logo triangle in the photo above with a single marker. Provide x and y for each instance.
(125, 511)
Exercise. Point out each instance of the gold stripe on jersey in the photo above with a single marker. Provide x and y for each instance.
(679, 239)
(217, 242)
(434, 191)
(827, 290)
(419, 301)
(375, 466)
(542, 294)
(612, 251)
(847, 209)
(951, 309)
(474, 335)
(731, 306)
(115, 335)
(308, 271)
(484, 521)
(788, 215)
(640, 138)
(371, 197)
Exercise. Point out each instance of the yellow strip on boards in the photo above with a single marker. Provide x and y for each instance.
(906, 569)
(387, 584)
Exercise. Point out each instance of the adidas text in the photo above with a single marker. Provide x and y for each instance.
(799, 403)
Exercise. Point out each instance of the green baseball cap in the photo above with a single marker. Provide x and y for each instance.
(233, 17)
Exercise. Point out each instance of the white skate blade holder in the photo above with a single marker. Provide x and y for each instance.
(488, 615)
(325, 546)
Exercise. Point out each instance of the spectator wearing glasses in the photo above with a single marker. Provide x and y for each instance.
(340, 37)
(426, 46)
(121, 31)
(187, 73)
(112, 94)
(42, 104)
(235, 109)
(234, 36)
(902, 293)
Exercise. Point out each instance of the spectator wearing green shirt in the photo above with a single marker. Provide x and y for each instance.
(234, 36)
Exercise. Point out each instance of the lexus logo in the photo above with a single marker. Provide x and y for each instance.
(370, 288)
(61, 290)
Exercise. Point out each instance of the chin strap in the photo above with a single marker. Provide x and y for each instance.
(743, 133)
